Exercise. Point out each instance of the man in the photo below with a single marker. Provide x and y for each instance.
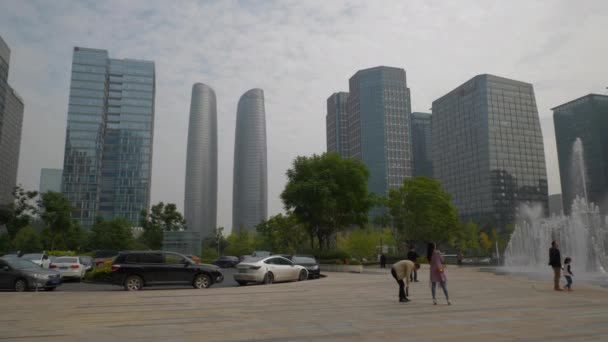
(555, 261)
(413, 257)
(402, 270)
(382, 260)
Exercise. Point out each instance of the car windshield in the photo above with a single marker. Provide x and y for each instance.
(21, 264)
(303, 260)
(86, 260)
(64, 260)
(32, 257)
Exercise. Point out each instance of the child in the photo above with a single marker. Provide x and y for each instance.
(568, 272)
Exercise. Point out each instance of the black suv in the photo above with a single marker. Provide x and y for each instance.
(134, 270)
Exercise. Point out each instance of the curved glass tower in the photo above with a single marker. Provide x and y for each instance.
(249, 189)
(200, 199)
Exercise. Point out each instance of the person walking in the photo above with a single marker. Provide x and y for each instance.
(382, 260)
(568, 272)
(555, 261)
(413, 257)
(437, 273)
(402, 270)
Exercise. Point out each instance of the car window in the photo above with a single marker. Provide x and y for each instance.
(174, 259)
(283, 261)
(22, 264)
(132, 258)
(271, 261)
(66, 260)
(304, 260)
(151, 258)
(32, 257)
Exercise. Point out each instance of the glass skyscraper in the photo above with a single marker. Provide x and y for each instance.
(488, 149)
(379, 112)
(108, 150)
(585, 118)
(337, 124)
(421, 144)
(11, 121)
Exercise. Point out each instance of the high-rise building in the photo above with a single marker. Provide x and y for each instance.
(555, 204)
(488, 149)
(108, 150)
(11, 121)
(200, 199)
(250, 179)
(50, 180)
(379, 111)
(337, 124)
(585, 118)
(421, 144)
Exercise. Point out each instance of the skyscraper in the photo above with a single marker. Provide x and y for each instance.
(249, 190)
(585, 118)
(11, 121)
(200, 199)
(108, 150)
(379, 126)
(488, 149)
(421, 144)
(50, 180)
(337, 124)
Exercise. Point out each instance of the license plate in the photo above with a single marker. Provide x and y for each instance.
(63, 268)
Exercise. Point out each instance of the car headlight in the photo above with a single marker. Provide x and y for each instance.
(315, 267)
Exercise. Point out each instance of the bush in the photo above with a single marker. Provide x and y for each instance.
(61, 253)
(101, 273)
(332, 255)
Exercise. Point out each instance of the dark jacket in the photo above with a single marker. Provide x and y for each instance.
(555, 257)
(412, 256)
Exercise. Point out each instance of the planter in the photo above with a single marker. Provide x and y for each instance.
(341, 268)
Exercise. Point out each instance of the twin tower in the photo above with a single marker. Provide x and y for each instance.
(249, 190)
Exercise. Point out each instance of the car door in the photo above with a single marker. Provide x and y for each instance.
(178, 269)
(291, 270)
(7, 275)
(272, 265)
(151, 266)
(283, 269)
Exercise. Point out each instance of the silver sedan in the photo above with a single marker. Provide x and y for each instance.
(269, 270)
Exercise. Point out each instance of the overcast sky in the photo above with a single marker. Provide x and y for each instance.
(299, 52)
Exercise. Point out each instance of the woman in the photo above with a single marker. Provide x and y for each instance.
(437, 271)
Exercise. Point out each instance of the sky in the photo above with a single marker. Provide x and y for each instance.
(299, 53)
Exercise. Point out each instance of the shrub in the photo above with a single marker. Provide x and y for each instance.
(101, 273)
(332, 254)
(61, 253)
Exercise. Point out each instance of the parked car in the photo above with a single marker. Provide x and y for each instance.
(21, 275)
(194, 258)
(69, 267)
(39, 259)
(102, 256)
(261, 254)
(311, 264)
(226, 261)
(268, 270)
(138, 269)
(87, 261)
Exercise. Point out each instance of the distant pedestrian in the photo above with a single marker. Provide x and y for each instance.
(568, 272)
(437, 272)
(382, 260)
(402, 270)
(413, 257)
(459, 259)
(555, 261)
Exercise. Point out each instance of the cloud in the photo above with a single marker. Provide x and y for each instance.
(299, 53)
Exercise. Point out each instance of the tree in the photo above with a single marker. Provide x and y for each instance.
(28, 240)
(216, 243)
(282, 233)
(60, 228)
(360, 243)
(326, 194)
(160, 218)
(115, 234)
(240, 243)
(485, 242)
(19, 213)
(421, 211)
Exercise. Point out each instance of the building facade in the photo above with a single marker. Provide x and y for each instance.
(50, 180)
(488, 149)
(200, 195)
(337, 124)
(108, 150)
(585, 118)
(379, 112)
(11, 122)
(556, 207)
(421, 144)
(250, 179)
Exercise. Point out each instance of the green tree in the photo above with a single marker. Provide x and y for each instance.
(28, 240)
(360, 243)
(5, 243)
(240, 243)
(421, 211)
(115, 234)
(18, 214)
(162, 217)
(216, 243)
(282, 233)
(485, 242)
(326, 194)
(62, 231)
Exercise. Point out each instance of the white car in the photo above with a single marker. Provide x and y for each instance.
(69, 267)
(268, 270)
(39, 259)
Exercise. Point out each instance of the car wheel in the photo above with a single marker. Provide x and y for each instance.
(242, 283)
(202, 281)
(134, 283)
(268, 278)
(20, 285)
(49, 288)
(303, 275)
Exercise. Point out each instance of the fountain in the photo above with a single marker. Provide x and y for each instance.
(583, 235)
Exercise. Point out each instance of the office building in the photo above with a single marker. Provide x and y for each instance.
(379, 112)
(488, 149)
(50, 180)
(585, 118)
(250, 179)
(421, 144)
(11, 122)
(108, 149)
(337, 124)
(555, 205)
(200, 196)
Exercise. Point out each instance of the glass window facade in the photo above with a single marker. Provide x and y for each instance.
(488, 150)
(337, 124)
(421, 144)
(108, 153)
(50, 180)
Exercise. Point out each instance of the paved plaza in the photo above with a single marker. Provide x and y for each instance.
(341, 307)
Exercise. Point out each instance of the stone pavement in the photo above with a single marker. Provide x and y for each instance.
(341, 307)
